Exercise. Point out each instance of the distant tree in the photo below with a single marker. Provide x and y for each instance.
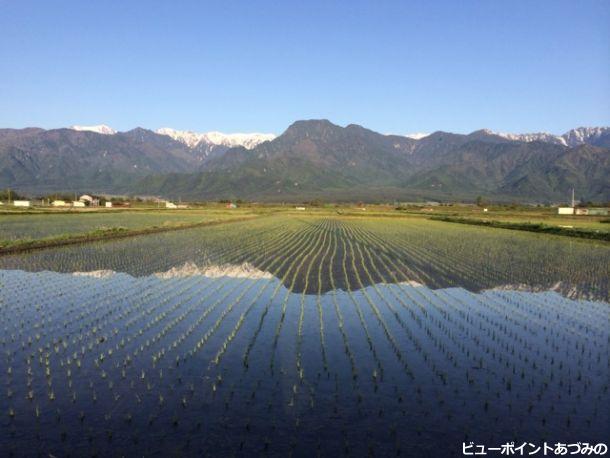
(315, 203)
(481, 202)
(7, 194)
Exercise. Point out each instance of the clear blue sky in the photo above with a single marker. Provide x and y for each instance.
(400, 67)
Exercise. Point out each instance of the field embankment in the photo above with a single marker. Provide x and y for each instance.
(530, 227)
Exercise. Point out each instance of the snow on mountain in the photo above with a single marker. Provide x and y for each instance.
(572, 138)
(582, 135)
(190, 139)
(417, 135)
(209, 140)
(534, 137)
(100, 129)
(248, 141)
(193, 139)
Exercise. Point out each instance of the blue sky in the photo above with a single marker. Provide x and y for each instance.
(397, 67)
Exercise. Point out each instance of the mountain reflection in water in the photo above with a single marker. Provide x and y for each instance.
(240, 364)
(317, 256)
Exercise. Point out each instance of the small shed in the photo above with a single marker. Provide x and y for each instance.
(581, 211)
(170, 205)
(565, 211)
(231, 205)
(108, 205)
(22, 203)
(59, 203)
(78, 203)
(299, 208)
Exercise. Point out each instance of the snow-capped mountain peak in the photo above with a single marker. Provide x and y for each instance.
(193, 139)
(571, 138)
(248, 141)
(582, 135)
(533, 137)
(417, 135)
(190, 139)
(100, 129)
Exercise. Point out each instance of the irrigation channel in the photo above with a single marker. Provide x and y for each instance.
(304, 336)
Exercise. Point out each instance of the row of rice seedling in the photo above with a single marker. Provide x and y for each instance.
(472, 257)
(288, 253)
(35, 226)
(328, 357)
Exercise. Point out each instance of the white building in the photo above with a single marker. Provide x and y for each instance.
(59, 203)
(170, 205)
(89, 200)
(22, 203)
(108, 204)
(78, 204)
(299, 208)
(565, 211)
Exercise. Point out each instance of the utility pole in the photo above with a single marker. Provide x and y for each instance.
(573, 203)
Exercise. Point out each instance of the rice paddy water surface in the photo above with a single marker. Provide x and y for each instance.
(299, 336)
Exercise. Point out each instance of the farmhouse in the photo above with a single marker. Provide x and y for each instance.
(583, 211)
(22, 203)
(89, 200)
(565, 211)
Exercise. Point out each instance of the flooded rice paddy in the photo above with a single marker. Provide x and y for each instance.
(285, 336)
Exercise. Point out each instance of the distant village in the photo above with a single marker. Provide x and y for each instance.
(9, 198)
(83, 201)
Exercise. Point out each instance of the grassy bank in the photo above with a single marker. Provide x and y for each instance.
(530, 227)
(20, 245)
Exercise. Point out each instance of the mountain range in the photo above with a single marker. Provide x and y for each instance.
(312, 159)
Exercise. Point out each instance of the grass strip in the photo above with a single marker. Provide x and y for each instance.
(530, 227)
